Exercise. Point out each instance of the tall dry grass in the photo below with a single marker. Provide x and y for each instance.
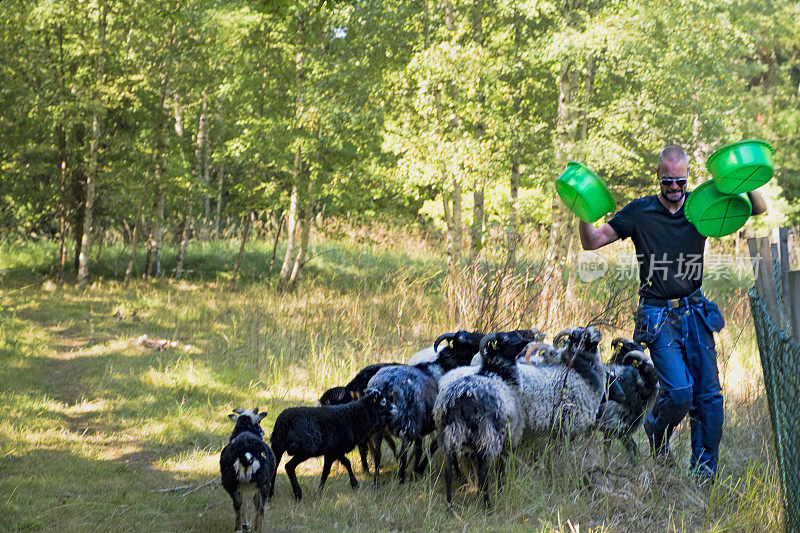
(93, 425)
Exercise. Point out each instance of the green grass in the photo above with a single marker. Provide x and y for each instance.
(92, 424)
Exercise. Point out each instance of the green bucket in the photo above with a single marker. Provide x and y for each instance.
(716, 214)
(584, 192)
(741, 167)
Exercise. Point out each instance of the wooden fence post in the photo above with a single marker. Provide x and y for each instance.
(793, 292)
(761, 255)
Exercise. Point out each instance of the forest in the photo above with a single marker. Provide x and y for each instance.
(138, 122)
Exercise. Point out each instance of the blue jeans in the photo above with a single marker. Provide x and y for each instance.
(681, 343)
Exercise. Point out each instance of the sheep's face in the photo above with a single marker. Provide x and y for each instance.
(647, 372)
(378, 402)
(585, 339)
(499, 347)
(621, 346)
(460, 348)
(334, 396)
(247, 420)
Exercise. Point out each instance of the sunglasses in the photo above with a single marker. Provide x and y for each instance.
(680, 182)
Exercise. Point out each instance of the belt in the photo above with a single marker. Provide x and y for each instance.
(695, 298)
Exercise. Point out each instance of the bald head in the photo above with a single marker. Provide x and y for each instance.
(670, 156)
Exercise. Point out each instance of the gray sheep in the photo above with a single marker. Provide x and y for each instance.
(478, 415)
(565, 398)
(412, 391)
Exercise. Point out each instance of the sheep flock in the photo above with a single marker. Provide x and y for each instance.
(471, 398)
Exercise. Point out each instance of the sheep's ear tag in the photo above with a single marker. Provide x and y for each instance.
(494, 345)
(635, 363)
(450, 343)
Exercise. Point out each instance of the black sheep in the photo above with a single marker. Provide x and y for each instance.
(637, 377)
(353, 390)
(330, 431)
(247, 464)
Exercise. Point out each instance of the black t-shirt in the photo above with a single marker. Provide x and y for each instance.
(669, 248)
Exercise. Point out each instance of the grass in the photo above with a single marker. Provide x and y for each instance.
(93, 424)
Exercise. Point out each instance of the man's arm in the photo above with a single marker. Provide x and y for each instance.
(759, 204)
(593, 238)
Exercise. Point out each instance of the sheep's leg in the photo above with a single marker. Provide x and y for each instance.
(326, 470)
(501, 473)
(405, 444)
(243, 510)
(273, 475)
(483, 481)
(290, 466)
(392, 445)
(346, 462)
(277, 451)
(258, 499)
(418, 456)
(362, 453)
(449, 461)
(237, 508)
(422, 465)
(630, 446)
(377, 437)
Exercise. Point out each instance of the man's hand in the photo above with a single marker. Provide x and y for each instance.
(592, 239)
(758, 202)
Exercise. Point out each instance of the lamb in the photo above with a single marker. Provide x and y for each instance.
(478, 415)
(353, 390)
(355, 387)
(565, 398)
(639, 381)
(246, 465)
(330, 431)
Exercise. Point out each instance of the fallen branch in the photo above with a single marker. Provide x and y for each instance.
(179, 488)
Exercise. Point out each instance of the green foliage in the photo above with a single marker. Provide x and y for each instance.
(387, 101)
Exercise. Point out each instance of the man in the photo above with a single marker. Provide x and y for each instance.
(674, 319)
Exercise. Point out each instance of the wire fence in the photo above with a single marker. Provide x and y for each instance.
(780, 359)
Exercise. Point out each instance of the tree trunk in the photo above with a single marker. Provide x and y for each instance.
(294, 201)
(476, 243)
(513, 190)
(204, 164)
(562, 219)
(197, 170)
(63, 208)
(152, 264)
(91, 176)
(291, 226)
(574, 241)
(187, 227)
(219, 200)
(275, 245)
(305, 224)
(61, 141)
(513, 185)
(134, 247)
(455, 124)
(245, 233)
